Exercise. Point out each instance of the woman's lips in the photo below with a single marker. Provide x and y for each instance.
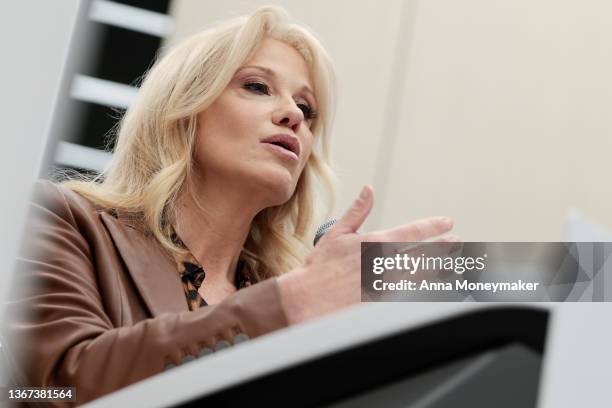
(289, 142)
(281, 151)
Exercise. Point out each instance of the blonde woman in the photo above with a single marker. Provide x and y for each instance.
(199, 235)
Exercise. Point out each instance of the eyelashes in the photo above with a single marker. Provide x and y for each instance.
(261, 88)
(257, 87)
(309, 113)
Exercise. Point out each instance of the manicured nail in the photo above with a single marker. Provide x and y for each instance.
(364, 193)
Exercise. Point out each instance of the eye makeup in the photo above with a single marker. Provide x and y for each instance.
(257, 87)
(261, 88)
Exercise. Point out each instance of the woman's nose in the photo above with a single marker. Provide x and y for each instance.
(289, 115)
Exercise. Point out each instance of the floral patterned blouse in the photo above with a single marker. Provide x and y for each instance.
(193, 276)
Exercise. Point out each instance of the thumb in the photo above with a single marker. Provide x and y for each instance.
(356, 214)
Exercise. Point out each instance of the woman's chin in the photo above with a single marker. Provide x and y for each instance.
(278, 188)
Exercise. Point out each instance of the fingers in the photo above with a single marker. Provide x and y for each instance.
(356, 214)
(414, 231)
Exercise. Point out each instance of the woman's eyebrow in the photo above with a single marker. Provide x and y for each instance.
(271, 73)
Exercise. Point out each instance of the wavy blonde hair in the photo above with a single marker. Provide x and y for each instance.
(153, 155)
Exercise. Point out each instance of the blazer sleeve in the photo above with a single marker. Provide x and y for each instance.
(56, 325)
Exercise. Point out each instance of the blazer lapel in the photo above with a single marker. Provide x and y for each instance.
(153, 272)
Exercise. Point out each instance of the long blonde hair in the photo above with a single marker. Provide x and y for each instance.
(153, 154)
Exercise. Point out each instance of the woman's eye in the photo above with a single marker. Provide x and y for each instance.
(309, 113)
(257, 87)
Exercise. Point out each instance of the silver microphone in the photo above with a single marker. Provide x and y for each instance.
(323, 230)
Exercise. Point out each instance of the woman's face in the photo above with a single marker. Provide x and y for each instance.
(256, 135)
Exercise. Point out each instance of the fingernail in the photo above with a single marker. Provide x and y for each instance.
(364, 193)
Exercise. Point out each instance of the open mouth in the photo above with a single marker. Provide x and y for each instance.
(285, 142)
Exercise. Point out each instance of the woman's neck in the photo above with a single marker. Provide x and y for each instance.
(216, 233)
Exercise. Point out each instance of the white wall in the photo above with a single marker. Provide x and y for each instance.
(505, 120)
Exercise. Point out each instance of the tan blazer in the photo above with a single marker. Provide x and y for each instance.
(97, 305)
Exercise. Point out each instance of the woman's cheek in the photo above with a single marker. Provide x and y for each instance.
(308, 152)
